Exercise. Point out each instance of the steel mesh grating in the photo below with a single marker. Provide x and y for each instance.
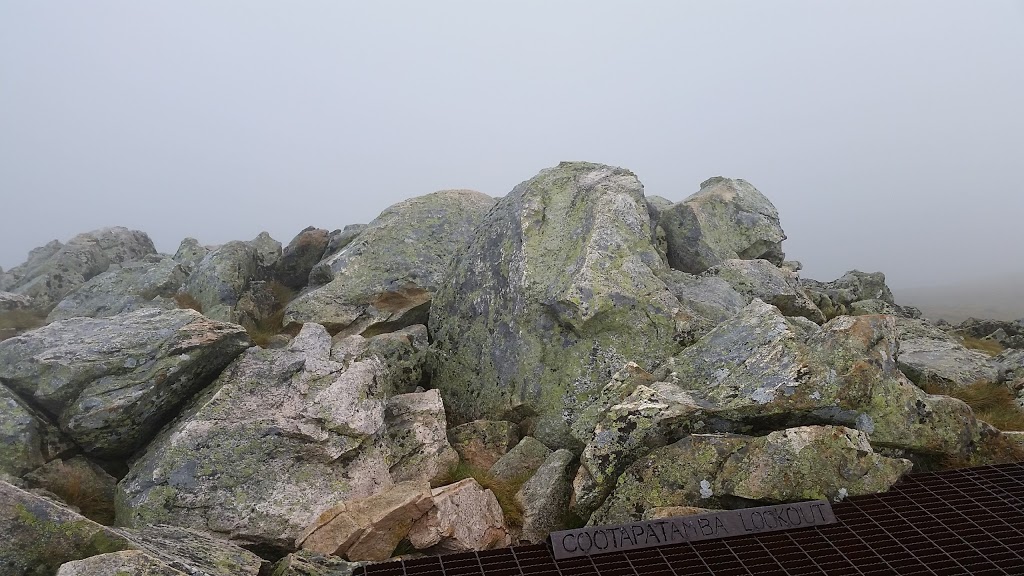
(968, 521)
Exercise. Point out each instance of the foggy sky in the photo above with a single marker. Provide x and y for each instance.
(890, 135)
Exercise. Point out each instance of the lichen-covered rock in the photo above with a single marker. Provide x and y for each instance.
(521, 461)
(556, 290)
(726, 219)
(112, 382)
(729, 471)
(403, 352)
(125, 563)
(218, 281)
(368, 528)
(54, 270)
(417, 438)
(481, 443)
(281, 435)
(306, 563)
(544, 498)
(759, 372)
(193, 551)
(384, 279)
(40, 535)
(764, 280)
(148, 283)
(80, 483)
(929, 354)
(704, 302)
(27, 439)
(190, 253)
(464, 517)
(837, 297)
(10, 302)
(301, 254)
(322, 273)
(659, 512)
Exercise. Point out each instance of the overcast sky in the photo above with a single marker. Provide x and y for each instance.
(890, 135)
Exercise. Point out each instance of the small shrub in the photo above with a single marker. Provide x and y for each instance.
(990, 347)
(186, 300)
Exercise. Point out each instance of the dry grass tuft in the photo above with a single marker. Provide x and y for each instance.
(990, 347)
(993, 403)
(15, 322)
(186, 300)
(263, 331)
(78, 487)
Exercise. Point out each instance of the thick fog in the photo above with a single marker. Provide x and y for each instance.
(890, 135)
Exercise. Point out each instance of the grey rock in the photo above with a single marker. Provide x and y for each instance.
(27, 439)
(384, 279)
(190, 253)
(111, 383)
(194, 552)
(726, 219)
(301, 254)
(219, 280)
(322, 272)
(56, 269)
(519, 463)
(306, 563)
(463, 517)
(10, 302)
(403, 353)
(929, 354)
(149, 283)
(279, 437)
(764, 280)
(125, 563)
(40, 535)
(836, 298)
(544, 498)
(704, 302)
(556, 290)
(727, 471)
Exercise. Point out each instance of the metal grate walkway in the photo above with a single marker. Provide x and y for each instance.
(968, 521)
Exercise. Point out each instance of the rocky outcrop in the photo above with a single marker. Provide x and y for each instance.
(368, 528)
(727, 471)
(193, 551)
(1008, 334)
(482, 442)
(281, 435)
(403, 354)
(300, 255)
(54, 270)
(128, 562)
(766, 281)
(190, 253)
(322, 273)
(929, 354)
(383, 280)
(521, 461)
(219, 280)
(305, 563)
(463, 517)
(726, 219)
(856, 293)
(545, 497)
(556, 289)
(111, 383)
(760, 372)
(149, 283)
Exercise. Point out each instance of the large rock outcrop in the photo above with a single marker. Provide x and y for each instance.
(280, 436)
(111, 383)
(384, 278)
(556, 290)
(56, 269)
(730, 470)
(726, 219)
(149, 283)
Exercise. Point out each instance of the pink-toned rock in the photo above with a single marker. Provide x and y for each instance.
(368, 528)
(465, 516)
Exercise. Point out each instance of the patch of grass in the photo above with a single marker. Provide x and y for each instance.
(997, 449)
(186, 300)
(990, 347)
(265, 329)
(76, 486)
(504, 491)
(15, 322)
(993, 403)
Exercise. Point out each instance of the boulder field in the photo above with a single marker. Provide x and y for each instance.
(462, 373)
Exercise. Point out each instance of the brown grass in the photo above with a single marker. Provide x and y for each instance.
(186, 300)
(77, 487)
(993, 403)
(15, 322)
(264, 330)
(990, 347)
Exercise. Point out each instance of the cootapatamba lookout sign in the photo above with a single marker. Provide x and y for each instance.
(591, 540)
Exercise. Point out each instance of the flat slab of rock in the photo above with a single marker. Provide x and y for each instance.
(306, 563)
(368, 528)
(112, 382)
(928, 354)
(149, 283)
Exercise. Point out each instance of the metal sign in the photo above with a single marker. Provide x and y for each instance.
(591, 540)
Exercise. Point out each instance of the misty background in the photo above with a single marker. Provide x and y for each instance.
(890, 135)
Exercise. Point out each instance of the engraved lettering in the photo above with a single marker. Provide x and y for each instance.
(817, 508)
(590, 541)
(719, 525)
(743, 520)
(755, 519)
(789, 514)
(773, 523)
(664, 536)
(566, 538)
(638, 531)
(597, 544)
(675, 530)
(651, 533)
(626, 537)
(705, 527)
